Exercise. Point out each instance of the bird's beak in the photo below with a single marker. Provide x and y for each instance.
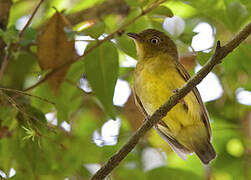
(135, 36)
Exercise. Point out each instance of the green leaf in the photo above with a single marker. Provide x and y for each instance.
(70, 33)
(237, 14)
(6, 157)
(10, 35)
(29, 36)
(18, 70)
(164, 173)
(132, 3)
(101, 67)
(203, 57)
(237, 68)
(139, 3)
(31, 116)
(161, 12)
(247, 3)
(187, 36)
(134, 173)
(140, 24)
(7, 114)
(111, 23)
(127, 45)
(85, 125)
(80, 5)
(66, 101)
(157, 23)
(96, 30)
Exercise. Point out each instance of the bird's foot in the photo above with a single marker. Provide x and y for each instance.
(182, 101)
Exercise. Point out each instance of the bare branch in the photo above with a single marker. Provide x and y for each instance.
(99, 11)
(219, 54)
(5, 6)
(30, 19)
(7, 54)
(27, 94)
(109, 37)
(78, 87)
(5, 62)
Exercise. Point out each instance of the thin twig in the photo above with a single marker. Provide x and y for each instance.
(98, 11)
(208, 172)
(76, 86)
(107, 38)
(4, 63)
(27, 94)
(77, 40)
(6, 57)
(30, 19)
(219, 54)
(19, 107)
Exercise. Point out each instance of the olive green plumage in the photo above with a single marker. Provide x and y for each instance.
(157, 76)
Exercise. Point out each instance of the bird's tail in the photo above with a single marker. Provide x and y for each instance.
(205, 152)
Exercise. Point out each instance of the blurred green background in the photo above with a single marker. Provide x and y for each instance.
(72, 138)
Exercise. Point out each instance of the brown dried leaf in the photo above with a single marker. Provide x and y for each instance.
(188, 60)
(54, 49)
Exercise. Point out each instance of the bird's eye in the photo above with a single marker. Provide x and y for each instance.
(154, 41)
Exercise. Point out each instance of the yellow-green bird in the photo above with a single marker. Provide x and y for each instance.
(158, 75)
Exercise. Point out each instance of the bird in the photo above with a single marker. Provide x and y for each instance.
(157, 76)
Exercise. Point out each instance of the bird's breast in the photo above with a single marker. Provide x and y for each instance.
(154, 83)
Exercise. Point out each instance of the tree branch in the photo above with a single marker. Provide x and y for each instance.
(107, 38)
(7, 54)
(99, 11)
(219, 54)
(5, 6)
(27, 94)
(30, 19)
(5, 62)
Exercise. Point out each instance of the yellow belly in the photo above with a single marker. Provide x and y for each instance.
(154, 83)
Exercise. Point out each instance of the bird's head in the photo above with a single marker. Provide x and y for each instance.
(151, 42)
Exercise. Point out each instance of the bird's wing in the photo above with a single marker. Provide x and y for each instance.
(205, 116)
(179, 149)
(138, 103)
(174, 144)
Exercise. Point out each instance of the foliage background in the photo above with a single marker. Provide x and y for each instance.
(33, 146)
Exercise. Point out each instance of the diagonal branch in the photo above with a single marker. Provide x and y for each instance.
(30, 19)
(5, 62)
(4, 16)
(219, 54)
(100, 10)
(107, 38)
(7, 53)
(27, 94)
